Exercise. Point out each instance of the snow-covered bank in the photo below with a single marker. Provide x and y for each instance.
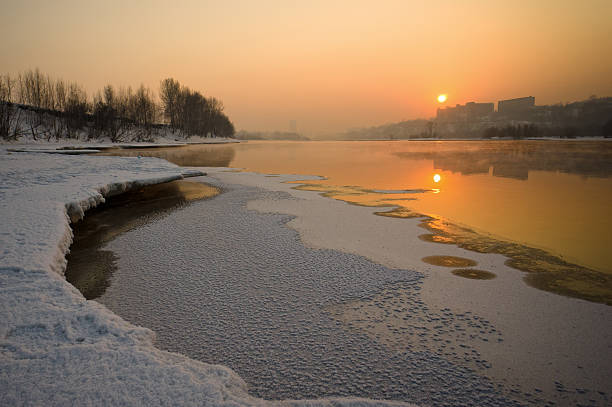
(87, 147)
(56, 348)
(42, 193)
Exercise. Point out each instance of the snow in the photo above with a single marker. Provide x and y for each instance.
(267, 302)
(76, 151)
(63, 147)
(56, 348)
(67, 147)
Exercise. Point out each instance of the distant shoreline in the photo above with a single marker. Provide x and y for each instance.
(471, 139)
(92, 148)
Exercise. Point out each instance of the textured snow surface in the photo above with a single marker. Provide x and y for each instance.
(56, 348)
(552, 348)
(41, 193)
(259, 304)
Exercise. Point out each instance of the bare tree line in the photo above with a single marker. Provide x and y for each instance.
(191, 112)
(34, 103)
(119, 112)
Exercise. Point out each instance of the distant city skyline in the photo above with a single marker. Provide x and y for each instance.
(477, 109)
(329, 66)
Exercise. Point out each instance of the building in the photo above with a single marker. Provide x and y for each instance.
(469, 112)
(475, 111)
(518, 105)
(451, 114)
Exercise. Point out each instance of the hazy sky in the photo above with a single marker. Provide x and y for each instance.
(329, 65)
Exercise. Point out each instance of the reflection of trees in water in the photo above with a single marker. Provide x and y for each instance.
(187, 156)
(516, 159)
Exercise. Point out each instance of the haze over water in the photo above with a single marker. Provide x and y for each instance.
(550, 195)
(328, 65)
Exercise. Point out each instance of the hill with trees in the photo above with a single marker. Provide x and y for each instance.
(35, 106)
(274, 135)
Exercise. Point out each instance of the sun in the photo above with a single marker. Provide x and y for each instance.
(437, 177)
(442, 98)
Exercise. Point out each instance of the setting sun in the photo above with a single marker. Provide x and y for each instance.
(437, 177)
(442, 98)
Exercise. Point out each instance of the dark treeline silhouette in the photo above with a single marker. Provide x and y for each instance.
(36, 104)
(275, 135)
(191, 112)
(516, 132)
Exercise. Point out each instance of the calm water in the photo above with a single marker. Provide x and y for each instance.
(554, 195)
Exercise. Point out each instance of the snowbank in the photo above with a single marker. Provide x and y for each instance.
(56, 348)
(66, 146)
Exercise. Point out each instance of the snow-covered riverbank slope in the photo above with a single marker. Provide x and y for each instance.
(56, 348)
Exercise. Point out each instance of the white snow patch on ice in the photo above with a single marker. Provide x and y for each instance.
(56, 348)
(53, 151)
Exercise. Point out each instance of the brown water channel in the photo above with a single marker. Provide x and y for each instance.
(90, 267)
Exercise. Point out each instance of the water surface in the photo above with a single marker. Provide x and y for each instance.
(90, 266)
(553, 195)
(224, 284)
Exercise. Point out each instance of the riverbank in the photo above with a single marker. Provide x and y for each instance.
(530, 344)
(60, 349)
(72, 148)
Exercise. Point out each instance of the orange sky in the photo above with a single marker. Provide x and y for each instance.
(330, 65)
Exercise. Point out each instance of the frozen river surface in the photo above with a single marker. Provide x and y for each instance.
(226, 285)
(223, 283)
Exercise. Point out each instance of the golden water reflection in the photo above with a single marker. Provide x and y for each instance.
(474, 274)
(449, 261)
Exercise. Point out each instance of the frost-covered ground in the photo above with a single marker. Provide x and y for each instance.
(56, 348)
(70, 147)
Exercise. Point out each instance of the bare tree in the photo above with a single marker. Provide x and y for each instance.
(107, 110)
(170, 93)
(31, 88)
(7, 108)
(76, 109)
(54, 108)
(49, 98)
(60, 95)
(142, 111)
